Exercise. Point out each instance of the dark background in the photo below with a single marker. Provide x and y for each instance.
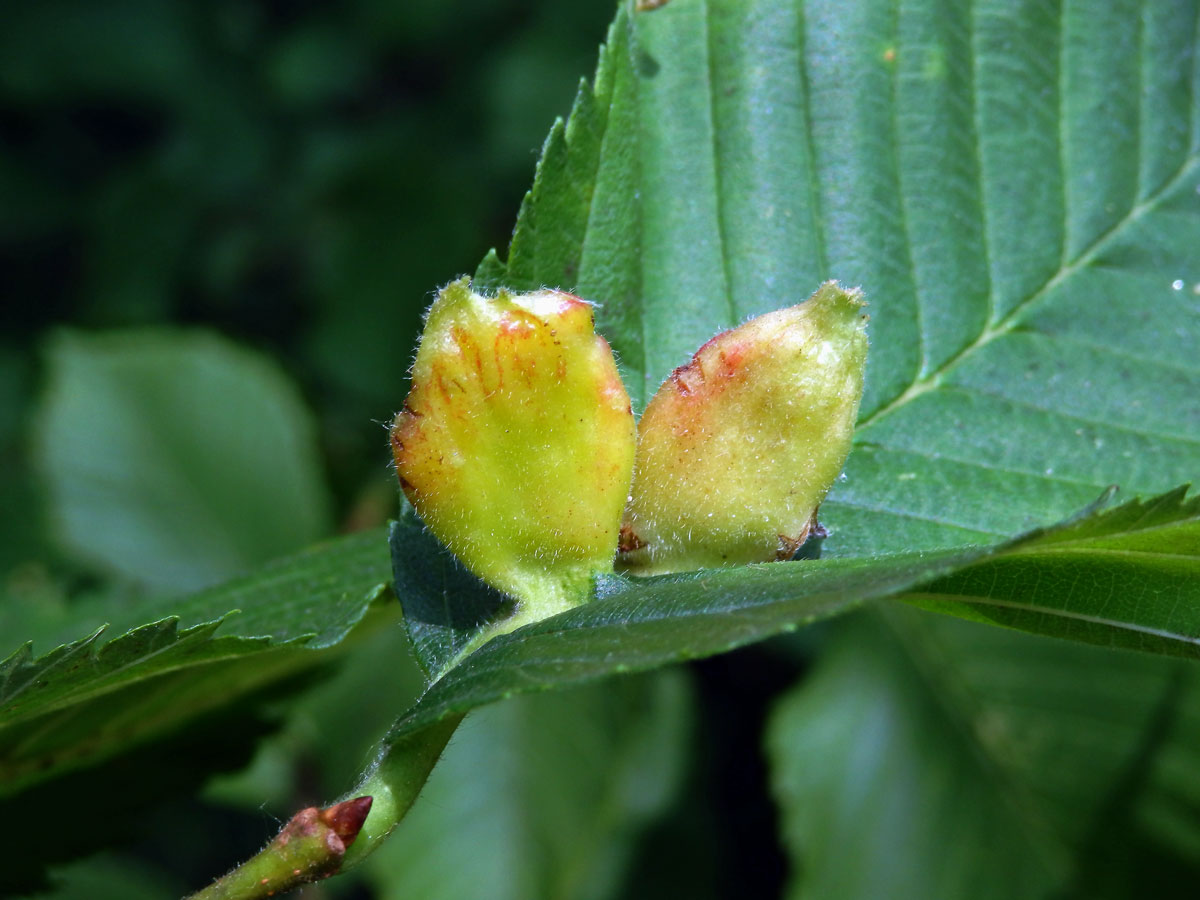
(297, 175)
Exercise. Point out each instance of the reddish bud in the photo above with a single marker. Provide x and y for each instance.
(738, 448)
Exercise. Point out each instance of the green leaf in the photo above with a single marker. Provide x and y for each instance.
(177, 459)
(862, 756)
(542, 797)
(920, 739)
(1129, 577)
(1168, 807)
(90, 699)
(638, 624)
(1015, 187)
(1025, 260)
(21, 537)
(135, 788)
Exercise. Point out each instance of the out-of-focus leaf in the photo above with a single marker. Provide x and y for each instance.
(316, 65)
(141, 226)
(932, 758)
(541, 797)
(131, 788)
(61, 47)
(177, 459)
(1167, 810)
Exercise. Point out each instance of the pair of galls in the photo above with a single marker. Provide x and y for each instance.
(518, 447)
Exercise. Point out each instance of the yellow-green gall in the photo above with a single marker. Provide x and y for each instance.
(738, 448)
(516, 442)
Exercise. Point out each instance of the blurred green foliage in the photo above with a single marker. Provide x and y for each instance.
(297, 175)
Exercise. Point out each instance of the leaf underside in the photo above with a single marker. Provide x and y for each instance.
(445, 606)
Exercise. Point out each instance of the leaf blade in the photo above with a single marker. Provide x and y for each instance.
(113, 689)
(177, 459)
(1037, 749)
(634, 627)
(958, 164)
(1126, 577)
(639, 624)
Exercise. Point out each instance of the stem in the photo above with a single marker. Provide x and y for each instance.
(317, 843)
(394, 780)
(310, 846)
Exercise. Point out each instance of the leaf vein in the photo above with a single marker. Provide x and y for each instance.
(1193, 116)
(814, 192)
(991, 467)
(932, 380)
(1148, 630)
(1075, 417)
(985, 225)
(922, 360)
(1111, 350)
(717, 168)
(1063, 134)
(1140, 122)
(905, 514)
